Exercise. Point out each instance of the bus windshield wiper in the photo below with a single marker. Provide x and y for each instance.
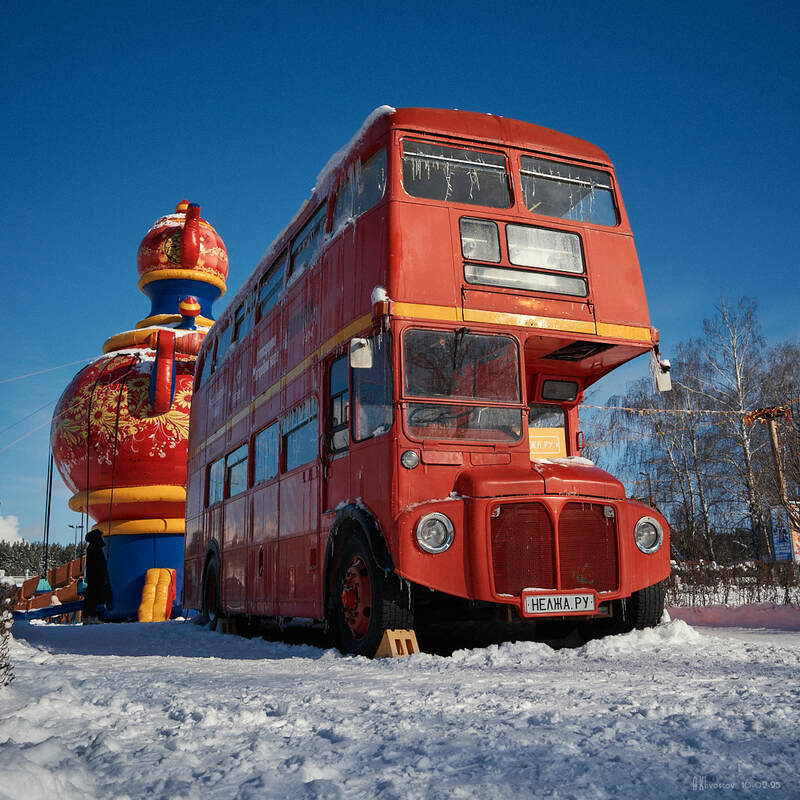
(458, 349)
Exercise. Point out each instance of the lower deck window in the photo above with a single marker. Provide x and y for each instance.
(266, 454)
(236, 471)
(300, 434)
(216, 482)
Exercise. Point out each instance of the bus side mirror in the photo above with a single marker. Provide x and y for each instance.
(659, 370)
(360, 354)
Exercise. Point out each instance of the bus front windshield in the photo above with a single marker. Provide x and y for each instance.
(475, 374)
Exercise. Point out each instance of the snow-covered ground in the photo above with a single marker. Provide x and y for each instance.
(171, 710)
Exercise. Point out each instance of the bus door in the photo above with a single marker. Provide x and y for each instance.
(298, 555)
(235, 523)
(336, 479)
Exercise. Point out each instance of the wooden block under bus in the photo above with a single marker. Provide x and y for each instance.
(397, 643)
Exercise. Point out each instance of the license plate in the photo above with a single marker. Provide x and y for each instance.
(558, 603)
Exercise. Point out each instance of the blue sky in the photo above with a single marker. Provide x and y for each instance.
(111, 115)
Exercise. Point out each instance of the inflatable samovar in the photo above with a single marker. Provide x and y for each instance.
(120, 430)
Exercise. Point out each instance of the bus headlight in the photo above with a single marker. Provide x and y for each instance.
(409, 459)
(435, 533)
(648, 534)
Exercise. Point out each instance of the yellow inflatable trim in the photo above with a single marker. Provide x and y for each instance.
(158, 493)
(166, 319)
(155, 594)
(183, 274)
(127, 339)
(155, 525)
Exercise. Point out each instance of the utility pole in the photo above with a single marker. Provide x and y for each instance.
(771, 417)
(78, 538)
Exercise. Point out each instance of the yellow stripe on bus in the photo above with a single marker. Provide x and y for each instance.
(419, 310)
(428, 312)
(528, 321)
(631, 332)
(449, 314)
(268, 393)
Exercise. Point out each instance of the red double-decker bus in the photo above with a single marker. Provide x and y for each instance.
(385, 420)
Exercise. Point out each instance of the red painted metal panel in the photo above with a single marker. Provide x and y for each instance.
(614, 272)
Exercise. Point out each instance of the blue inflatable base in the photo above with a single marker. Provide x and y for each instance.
(128, 557)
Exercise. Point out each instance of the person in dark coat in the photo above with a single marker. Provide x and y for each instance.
(98, 586)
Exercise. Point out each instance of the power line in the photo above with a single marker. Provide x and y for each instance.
(48, 369)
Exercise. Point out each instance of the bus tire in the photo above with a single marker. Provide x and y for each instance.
(211, 604)
(645, 608)
(368, 601)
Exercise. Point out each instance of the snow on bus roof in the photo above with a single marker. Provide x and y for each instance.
(321, 186)
(326, 174)
(448, 121)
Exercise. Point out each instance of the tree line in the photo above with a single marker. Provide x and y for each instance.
(17, 557)
(696, 453)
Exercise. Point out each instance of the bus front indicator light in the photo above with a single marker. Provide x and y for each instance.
(435, 533)
(648, 534)
(410, 459)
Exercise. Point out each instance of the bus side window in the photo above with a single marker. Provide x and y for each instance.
(306, 244)
(300, 434)
(202, 373)
(216, 482)
(363, 189)
(223, 343)
(243, 322)
(372, 392)
(236, 471)
(339, 405)
(270, 287)
(266, 454)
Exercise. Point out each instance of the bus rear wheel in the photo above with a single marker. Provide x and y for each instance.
(367, 600)
(211, 604)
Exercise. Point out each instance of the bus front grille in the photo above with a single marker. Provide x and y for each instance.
(524, 554)
(587, 547)
(522, 548)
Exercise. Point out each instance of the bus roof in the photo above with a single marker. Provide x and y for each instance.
(491, 128)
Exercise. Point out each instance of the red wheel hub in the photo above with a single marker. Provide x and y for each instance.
(357, 597)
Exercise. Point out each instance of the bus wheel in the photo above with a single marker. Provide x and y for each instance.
(367, 601)
(211, 592)
(644, 608)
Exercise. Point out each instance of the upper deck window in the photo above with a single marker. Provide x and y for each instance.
(455, 175)
(555, 189)
(270, 286)
(306, 244)
(243, 321)
(223, 343)
(363, 189)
